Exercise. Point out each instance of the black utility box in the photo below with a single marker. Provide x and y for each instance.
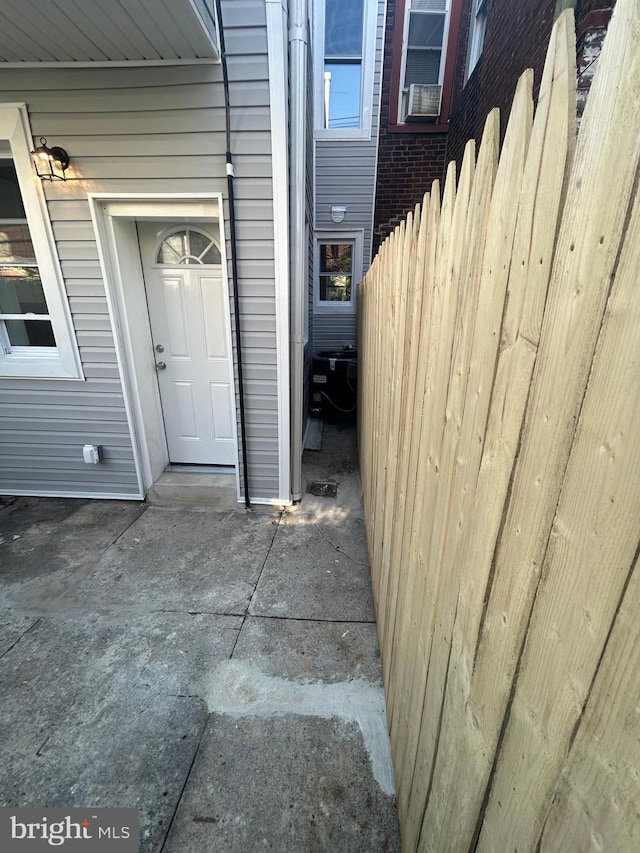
(334, 385)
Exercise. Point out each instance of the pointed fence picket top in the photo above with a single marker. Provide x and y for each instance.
(499, 412)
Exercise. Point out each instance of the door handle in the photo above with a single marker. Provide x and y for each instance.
(160, 365)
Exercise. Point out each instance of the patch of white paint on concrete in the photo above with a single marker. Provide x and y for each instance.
(238, 689)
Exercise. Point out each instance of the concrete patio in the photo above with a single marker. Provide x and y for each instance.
(216, 668)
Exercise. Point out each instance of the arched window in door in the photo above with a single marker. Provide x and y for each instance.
(187, 245)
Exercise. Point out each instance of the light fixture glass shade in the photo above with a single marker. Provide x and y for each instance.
(50, 163)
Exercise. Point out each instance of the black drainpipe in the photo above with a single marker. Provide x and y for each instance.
(234, 258)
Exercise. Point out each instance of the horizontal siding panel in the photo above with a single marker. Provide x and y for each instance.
(252, 229)
(253, 344)
(92, 322)
(100, 168)
(64, 489)
(257, 250)
(97, 355)
(256, 323)
(92, 427)
(209, 120)
(242, 14)
(51, 397)
(251, 270)
(260, 372)
(260, 387)
(77, 250)
(53, 412)
(88, 305)
(247, 190)
(77, 210)
(33, 465)
(111, 472)
(29, 80)
(246, 69)
(258, 356)
(100, 371)
(37, 458)
(77, 288)
(256, 289)
(262, 404)
(63, 442)
(331, 332)
(191, 143)
(79, 388)
(93, 339)
(73, 229)
(263, 445)
(251, 305)
(136, 100)
(81, 269)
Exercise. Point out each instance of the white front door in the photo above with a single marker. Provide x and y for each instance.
(190, 332)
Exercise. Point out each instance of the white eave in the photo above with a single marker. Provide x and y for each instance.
(97, 31)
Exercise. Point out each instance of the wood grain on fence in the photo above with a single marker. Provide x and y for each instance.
(499, 423)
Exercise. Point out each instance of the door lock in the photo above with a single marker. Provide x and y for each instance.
(160, 365)
(159, 348)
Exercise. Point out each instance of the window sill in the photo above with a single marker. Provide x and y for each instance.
(26, 368)
(342, 135)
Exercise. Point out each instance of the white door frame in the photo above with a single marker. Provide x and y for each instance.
(114, 216)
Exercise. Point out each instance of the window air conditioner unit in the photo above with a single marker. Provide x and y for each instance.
(424, 100)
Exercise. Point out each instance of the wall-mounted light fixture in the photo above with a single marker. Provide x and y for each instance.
(50, 163)
(338, 212)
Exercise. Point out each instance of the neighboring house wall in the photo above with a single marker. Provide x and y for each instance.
(516, 38)
(345, 175)
(410, 157)
(144, 130)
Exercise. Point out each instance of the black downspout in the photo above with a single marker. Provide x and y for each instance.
(234, 258)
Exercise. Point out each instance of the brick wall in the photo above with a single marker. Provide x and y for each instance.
(408, 163)
(516, 38)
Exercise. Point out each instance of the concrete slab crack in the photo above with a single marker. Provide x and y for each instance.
(338, 548)
(24, 633)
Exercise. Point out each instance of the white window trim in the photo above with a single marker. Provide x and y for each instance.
(355, 237)
(64, 362)
(369, 24)
(405, 46)
(476, 37)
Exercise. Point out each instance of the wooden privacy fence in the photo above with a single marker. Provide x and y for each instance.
(500, 456)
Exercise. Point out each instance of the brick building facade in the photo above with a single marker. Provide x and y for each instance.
(516, 37)
(410, 157)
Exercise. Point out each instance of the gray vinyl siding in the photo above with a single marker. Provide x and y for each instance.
(144, 129)
(346, 174)
(334, 331)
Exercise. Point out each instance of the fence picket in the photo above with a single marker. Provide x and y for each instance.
(596, 525)
(543, 180)
(596, 803)
(499, 413)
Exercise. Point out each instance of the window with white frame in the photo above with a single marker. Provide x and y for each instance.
(36, 335)
(426, 29)
(476, 34)
(338, 271)
(345, 48)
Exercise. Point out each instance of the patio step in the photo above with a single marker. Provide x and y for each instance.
(174, 488)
